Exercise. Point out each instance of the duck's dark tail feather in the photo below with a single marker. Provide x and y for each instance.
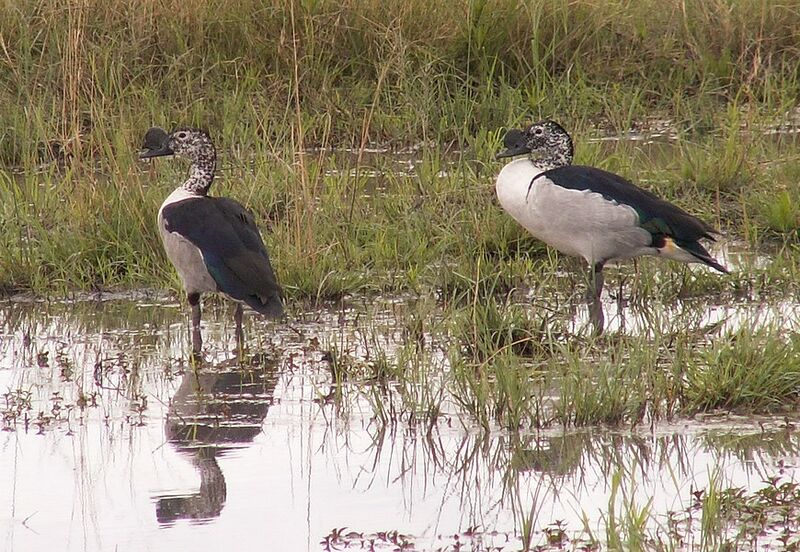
(701, 254)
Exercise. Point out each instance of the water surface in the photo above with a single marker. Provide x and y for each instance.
(113, 441)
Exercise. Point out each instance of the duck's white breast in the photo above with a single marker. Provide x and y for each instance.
(512, 186)
(185, 256)
(581, 223)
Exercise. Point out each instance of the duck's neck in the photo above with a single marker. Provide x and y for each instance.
(201, 173)
(559, 156)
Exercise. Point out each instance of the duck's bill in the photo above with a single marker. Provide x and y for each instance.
(156, 142)
(159, 152)
(515, 144)
(512, 152)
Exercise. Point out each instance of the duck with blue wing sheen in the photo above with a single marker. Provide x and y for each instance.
(591, 213)
(213, 242)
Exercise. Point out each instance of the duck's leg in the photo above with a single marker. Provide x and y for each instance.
(237, 317)
(593, 294)
(197, 339)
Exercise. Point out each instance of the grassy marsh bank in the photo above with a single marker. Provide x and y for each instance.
(429, 224)
(315, 71)
(83, 79)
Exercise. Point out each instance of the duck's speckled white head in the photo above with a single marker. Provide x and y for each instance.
(545, 142)
(193, 144)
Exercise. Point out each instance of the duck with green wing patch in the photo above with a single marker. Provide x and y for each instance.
(591, 213)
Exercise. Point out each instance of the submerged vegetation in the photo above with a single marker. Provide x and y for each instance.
(680, 487)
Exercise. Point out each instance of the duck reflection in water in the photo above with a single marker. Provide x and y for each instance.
(213, 410)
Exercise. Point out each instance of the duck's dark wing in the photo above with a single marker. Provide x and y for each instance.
(657, 216)
(232, 249)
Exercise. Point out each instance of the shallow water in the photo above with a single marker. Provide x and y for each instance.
(112, 441)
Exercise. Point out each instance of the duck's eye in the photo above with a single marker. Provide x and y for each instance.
(181, 136)
(538, 131)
